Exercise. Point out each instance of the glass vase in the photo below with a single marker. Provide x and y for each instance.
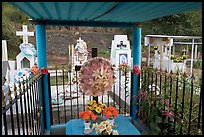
(87, 125)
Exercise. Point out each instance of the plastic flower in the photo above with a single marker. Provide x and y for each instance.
(87, 116)
(104, 128)
(136, 70)
(110, 112)
(155, 47)
(44, 71)
(115, 132)
(99, 76)
(96, 108)
(34, 69)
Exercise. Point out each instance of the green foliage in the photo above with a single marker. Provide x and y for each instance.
(198, 64)
(11, 20)
(180, 110)
(104, 53)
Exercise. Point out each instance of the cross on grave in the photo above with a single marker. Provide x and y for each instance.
(79, 40)
(25, 34)
(121, 45)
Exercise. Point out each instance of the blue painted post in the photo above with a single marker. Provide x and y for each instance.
(136, 51)
(42, 62)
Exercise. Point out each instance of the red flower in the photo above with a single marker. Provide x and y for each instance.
(136, 70)
(167, 113)
(44, 71)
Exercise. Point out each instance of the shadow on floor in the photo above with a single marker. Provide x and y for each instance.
(59, 131)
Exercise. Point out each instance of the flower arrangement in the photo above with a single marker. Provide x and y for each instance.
(34, 69)
(136, 70)
(97, 76)
(124, 67)
(110, 112)
(87, 116)
(44, 71)
(104, 128)
(184, 57)
(96, 108)
(155, 47)
(178, 59)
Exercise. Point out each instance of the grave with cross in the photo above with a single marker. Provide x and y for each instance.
(28, 52)
(80, 53)
(121, 53)
(162, 57)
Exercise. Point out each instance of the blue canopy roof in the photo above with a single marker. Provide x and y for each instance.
(102, 13)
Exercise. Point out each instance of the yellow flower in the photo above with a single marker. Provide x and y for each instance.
(91, 102)
(95, 105)
(98, 110)
(91, 107)
(100, 103)
(109, 128)
(115, 132)
(107, 122)
(94, 125)
(104, 105)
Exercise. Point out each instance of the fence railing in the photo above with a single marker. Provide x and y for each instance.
(67, 100)
(170, 104)
(22, 110)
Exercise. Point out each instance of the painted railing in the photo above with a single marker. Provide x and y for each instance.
(170, 104)
(22, 110)
(68, 101)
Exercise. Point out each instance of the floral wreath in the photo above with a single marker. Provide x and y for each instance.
(97, 76)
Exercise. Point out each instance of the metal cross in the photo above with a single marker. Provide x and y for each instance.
(25, 34)
(121, 45)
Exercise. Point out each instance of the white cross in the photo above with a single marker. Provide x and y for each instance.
(79, 40)
(25, 34)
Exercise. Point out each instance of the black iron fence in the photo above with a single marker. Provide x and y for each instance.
(67, 100)
(170, 104)
(22, 110)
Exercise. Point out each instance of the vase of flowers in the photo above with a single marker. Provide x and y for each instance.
(87, 125)
(104, 128)
(97, 109)
(110, 113)
(87, 116)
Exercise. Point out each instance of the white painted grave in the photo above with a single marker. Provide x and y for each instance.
(22, 55)
(162, 60)
(5, 64)
(80, 53)
(121, 53)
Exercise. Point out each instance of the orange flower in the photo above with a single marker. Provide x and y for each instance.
(110, 112)
(87, 115)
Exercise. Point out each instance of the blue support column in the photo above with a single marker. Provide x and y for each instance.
(42, 62)
(136, 51)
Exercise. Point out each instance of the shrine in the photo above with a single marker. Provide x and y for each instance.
(144, 113)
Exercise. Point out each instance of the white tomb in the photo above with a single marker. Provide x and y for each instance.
(121, 53)
(20, 57)
(80, 53)
(163, 60)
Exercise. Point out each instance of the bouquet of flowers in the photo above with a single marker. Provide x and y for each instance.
(110, 112)
(124, 67)
(87, 116)
(104, 128)
(96, 108)
(155, 47)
